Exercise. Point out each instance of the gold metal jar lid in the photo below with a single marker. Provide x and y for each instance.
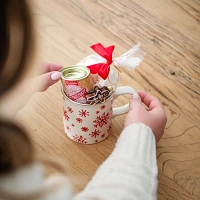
(75, 73)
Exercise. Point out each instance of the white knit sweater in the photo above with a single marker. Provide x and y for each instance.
(130, 172)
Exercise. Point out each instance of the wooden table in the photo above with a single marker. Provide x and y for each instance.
(169, 31)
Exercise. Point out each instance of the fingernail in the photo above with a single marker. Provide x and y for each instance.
(136, 96)
(55, 76)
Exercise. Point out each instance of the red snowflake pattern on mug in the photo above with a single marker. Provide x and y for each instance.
(70, 109)
(97, 112)
(85, 129)
(83, 113)
(96, 141)
(79, 120)
(73, 125)
(109, 129)
(103, 135)
(95, 133)
(65, 114)
(102, 107)
(68, 128)
(79, 139)
(101, 120)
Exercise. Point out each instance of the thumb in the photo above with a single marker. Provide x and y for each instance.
(135, 101)
(44, 81)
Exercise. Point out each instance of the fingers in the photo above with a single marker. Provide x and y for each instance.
(150, 101)
(44, 81)
(49, 67)
(135, 101)
(50, 76)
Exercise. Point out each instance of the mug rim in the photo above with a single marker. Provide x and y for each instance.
(82, 104)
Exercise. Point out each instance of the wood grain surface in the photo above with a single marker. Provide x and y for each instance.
(169, 31)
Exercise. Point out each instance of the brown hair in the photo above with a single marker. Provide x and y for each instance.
(16, 149)
(14, 12)
(15, 36)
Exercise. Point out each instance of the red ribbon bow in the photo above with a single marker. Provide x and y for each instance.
(102, 69)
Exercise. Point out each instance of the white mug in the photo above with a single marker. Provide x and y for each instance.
(89, 124)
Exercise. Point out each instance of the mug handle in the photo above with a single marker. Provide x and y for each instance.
(122, 109)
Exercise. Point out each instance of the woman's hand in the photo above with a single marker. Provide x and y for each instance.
(16, 99)
(153, 116)
(50, 76)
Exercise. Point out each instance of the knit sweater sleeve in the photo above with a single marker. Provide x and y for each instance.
(130, 172)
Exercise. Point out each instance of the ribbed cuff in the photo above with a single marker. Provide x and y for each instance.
(137, 142)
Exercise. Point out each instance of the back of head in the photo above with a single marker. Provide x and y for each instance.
(15, 38)
(16, 41)
(15, 148)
